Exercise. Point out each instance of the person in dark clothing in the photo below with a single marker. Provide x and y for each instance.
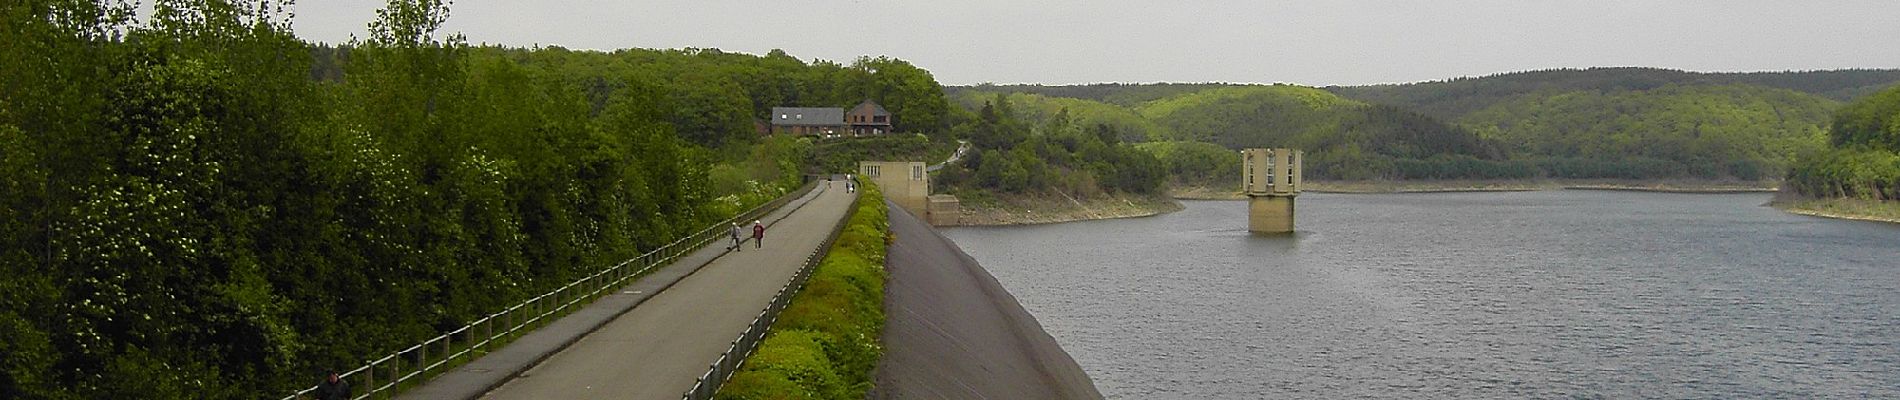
(758, 234)
(333, 387)
(737, 240)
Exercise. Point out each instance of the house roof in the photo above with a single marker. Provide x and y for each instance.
(871, 107)
(807, 116)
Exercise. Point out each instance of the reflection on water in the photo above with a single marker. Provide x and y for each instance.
(1471, 295)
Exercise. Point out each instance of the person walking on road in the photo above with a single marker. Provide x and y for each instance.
(333, 387)
(736, 241)
(758, 234)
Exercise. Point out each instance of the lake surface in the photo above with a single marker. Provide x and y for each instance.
(1555, 294)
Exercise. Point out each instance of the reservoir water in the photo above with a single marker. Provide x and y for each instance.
(1555, 294)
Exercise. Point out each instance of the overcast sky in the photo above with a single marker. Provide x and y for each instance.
(1312, 42)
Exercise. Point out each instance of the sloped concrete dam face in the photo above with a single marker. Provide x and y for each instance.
(953, 332)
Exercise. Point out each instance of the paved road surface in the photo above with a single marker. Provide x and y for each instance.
(658, 349)
(962, 147)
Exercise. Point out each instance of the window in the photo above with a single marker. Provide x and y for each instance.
(871, 171)
(783, 116)
(916, 172)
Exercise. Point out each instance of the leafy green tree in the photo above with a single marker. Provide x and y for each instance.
(710, 111)
(1872, 121)
(911, 94)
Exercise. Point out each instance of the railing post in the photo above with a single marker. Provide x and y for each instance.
(395, 368)
(422, 357)
(369, 379)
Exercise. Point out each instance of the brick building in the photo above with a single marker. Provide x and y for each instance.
(867, 119)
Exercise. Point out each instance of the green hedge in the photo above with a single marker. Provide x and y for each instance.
(825, 344)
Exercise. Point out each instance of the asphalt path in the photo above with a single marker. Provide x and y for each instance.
(658, 349)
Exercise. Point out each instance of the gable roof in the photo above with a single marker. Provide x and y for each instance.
(872, 106)
(807, 116)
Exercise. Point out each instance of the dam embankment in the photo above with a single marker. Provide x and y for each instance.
(953, 332)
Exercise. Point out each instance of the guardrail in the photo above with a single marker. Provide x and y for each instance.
(384, 375)
(754, 333)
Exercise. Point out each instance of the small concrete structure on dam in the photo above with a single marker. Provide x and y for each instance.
(1271, 180)
(907, 183)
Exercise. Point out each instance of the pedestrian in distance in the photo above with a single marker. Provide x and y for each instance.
(758, 234)
(736, 241)
(333, 387)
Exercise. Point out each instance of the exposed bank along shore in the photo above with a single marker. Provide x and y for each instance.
(1839, 208)
(1054, 208)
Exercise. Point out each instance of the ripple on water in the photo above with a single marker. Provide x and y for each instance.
(1481, 295)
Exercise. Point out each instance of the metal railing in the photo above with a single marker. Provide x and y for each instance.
(754, 333)
(385, 375)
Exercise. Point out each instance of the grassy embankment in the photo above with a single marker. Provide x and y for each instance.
(825, 344)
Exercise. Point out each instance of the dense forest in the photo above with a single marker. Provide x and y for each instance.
(1863, 160)
(1602, 123)
(1121, 94)
(1038, 109)
(1013, 155)
(1737, 131)
(196, 204)
(1344, 139)
(1453, 98)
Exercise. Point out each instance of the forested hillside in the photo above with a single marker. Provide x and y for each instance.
(1039, 110)
(1014, 155)
(1863, 160)
(1453, 98)
(1121, 94)
(1737, 131)
(1344, 139)
(197, 204)
(1616, 123)
(1196, 164)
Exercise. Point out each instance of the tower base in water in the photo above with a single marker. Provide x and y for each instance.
(1270, 214)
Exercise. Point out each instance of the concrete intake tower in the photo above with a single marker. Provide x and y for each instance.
(1271, 179)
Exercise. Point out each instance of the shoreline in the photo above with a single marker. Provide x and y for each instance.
(1037, 209)
(1842, 209)
(1054, 208)
(1480, 186)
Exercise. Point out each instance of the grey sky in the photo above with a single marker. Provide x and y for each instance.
(1306, 42)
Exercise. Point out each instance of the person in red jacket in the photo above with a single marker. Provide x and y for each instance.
(758, 234)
